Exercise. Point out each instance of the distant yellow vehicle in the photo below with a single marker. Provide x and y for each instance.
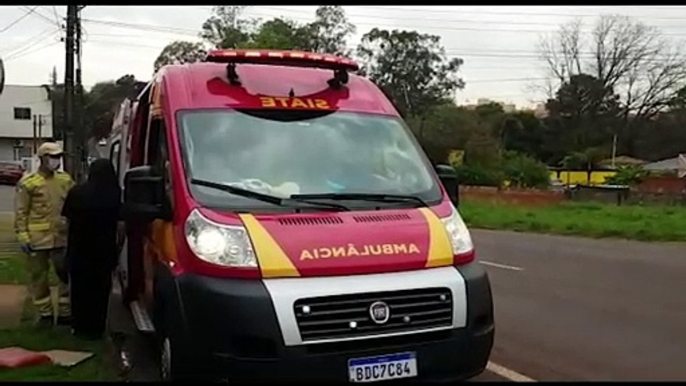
(581, 177)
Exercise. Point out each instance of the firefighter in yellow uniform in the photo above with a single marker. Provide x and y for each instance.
(42, 231)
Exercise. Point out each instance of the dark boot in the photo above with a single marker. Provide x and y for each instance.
(45, 321)
(64, 320)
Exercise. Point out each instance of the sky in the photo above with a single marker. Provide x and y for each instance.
(497, 43)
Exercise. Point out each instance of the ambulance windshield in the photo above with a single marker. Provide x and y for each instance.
(280, 153)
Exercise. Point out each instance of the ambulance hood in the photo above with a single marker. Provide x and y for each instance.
(348, 243)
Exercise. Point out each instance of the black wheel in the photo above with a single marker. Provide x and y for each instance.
(174, 365)
(178, 359)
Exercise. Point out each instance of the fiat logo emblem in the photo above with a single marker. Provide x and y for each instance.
(379, 312)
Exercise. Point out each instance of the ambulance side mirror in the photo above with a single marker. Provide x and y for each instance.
(448, 177)
(144, 195)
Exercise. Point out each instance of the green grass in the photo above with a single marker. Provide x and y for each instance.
(99, 367)
(12, 260)
(13, 269)
(646, 223)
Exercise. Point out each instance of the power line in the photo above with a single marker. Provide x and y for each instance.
(468, 12)
(183, 31)
(454, 52)
(32, 51)
(57, 18)
(446, 28)
(145, 27)
(500, 22)
(23, 44)
(506, 80)
(20, 18)
(38, 14)
(125, 44)
(493, 52)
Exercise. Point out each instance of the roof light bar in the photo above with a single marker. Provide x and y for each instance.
(282, 58)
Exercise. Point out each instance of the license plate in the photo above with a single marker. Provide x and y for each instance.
(383, 368)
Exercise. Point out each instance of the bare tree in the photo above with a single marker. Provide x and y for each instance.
(627, 56)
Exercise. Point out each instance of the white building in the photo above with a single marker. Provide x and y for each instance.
(18, 107)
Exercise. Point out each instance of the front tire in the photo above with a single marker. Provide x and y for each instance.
(177, 357)
(174, 366)
(165, 361)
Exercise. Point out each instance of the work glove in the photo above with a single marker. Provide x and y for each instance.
(26, 248)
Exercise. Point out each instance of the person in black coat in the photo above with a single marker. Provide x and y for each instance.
(93, 211)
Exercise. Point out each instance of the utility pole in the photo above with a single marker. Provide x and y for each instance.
(80, 130)
(35, 124)
(69, 148)
(40, 128)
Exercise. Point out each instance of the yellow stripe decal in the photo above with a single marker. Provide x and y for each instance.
(440, 250)
(271, 258)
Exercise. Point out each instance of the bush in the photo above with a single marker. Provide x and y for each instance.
(627, 175)
(478, 175)
(523, 171)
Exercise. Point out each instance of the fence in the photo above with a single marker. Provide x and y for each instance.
(512, 195)
(541, 197)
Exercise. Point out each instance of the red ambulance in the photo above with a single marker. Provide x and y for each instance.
(285, 226)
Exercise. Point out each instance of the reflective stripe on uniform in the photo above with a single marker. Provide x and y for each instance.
(23, 237)
(33, 181)
(63, 176)
(44, 305)
(64, 308)
(38, 227)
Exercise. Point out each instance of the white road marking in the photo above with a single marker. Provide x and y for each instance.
(507, 373)
(492, 264)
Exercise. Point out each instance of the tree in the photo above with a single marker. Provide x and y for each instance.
(524, 133)
(584, 112)
(103, 100)
(628, 175)
(411, 68)
(225, 28)
(329, 32)
(678, 102)
(180, 52)
(482, 149)
(625, 55)
(523, 171)
(278, 34)
(446, 128)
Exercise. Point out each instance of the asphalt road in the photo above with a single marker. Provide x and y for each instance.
(580, 309)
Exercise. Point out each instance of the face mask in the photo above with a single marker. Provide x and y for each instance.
(54, 163)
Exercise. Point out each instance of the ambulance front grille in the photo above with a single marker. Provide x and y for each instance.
(348, 316)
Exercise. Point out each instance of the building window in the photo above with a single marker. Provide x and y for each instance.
(23, 113)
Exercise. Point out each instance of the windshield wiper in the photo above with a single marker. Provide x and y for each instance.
(359, 196)
(239, 191)
(261, 196)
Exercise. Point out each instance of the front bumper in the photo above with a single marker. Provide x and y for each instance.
(232, 331)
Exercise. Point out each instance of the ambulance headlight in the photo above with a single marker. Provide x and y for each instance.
(224, 245)
(458, 233)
